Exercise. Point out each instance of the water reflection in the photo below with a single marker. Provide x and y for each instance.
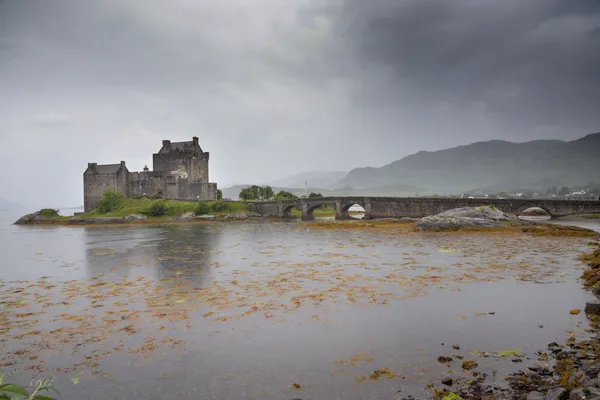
(244, 310)
(184, 252)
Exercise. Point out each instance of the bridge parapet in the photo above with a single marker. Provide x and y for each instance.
(418, 207)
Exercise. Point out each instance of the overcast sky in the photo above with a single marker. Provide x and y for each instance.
(273, 87)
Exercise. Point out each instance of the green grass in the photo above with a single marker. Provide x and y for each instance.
(173, 208)
(592, 216)
(49, 212)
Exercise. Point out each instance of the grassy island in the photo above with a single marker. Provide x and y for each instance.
(114, 207)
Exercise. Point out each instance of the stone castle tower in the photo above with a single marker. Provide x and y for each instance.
(180, 171)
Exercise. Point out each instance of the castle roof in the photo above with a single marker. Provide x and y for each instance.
(107, 168)
(103, 168)
(181, 145)
(169, 146)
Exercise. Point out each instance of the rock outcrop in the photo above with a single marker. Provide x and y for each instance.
(476, 217)
(30, 219)
(185, 217)
(243, 216)
(135, 217)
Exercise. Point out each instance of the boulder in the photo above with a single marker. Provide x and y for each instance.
(478, 217)
(185, 217)
(436, 223)
(135, 217)
(206, 217)
(29, 218)
(243, 215)
(556, 393)
(592, 307)
(237, 216)
(485, 212)
(535, 396)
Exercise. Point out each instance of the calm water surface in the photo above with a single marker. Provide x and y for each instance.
(248, 310)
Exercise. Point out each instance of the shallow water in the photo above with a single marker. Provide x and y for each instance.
(247, 310)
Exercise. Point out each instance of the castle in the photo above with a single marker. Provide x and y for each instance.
(179, 171)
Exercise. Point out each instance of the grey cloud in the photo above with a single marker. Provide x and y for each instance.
(530, 63)
(50, 119)
(280, 87)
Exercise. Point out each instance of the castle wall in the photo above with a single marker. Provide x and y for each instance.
(170, 161)
(146, 183)
(202, 191)
(94, 187)
(180, 171)
(198, 170)
(96, 181)
(122, 180)
(195, 163)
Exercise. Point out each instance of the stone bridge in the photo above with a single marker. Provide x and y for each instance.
(417, 207)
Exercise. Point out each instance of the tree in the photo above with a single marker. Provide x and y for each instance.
(244, 194)
(250, 193)
(219, 194)
(266, 193)
(313, 195)
(285, 195)
(254, 191)
(110, 201)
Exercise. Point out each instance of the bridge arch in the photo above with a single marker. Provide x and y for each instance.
(286, 211)
(519, 211)
(309, 207)
(344, 208)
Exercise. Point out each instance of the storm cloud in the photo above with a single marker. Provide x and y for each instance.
(273, 88)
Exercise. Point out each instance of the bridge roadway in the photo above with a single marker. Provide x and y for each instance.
(417, 207)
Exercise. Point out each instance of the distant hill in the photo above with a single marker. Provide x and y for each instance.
(494, 165)
(8, 206)
(320, 179)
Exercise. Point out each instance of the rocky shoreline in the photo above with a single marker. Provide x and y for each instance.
(562, 371)
(38, 219)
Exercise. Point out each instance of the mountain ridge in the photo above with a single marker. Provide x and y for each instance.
(494, 164)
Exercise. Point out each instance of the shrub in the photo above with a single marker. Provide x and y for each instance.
(158, 208)
(156, 196)
(218, 206)
(110, 201)
(202, 208)
(49, 212)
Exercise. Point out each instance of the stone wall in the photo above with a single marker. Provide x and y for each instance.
(418, 207)
(195, 163)
(95, 186)
(96, 183)
(146, 183)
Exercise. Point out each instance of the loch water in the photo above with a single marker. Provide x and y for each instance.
(276, 310)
